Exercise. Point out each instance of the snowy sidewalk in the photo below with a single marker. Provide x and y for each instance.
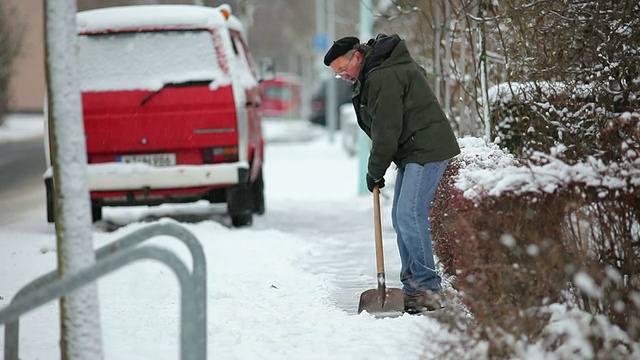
(286, 288)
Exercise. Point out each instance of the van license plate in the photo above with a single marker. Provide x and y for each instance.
(168, 159)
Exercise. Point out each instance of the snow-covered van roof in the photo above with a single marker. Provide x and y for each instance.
(235, 24)
(154, 17)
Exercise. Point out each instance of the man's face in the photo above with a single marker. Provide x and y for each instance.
(346, 67)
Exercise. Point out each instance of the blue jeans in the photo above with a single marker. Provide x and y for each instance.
(415, 187)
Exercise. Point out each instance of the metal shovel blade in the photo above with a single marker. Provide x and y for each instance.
(390, 304)
(383, 301)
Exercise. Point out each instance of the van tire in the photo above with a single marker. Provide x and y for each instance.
(242, 220)
(96, 209)
(96, 212)
(258, 195)
(240, 204)
(48, 184)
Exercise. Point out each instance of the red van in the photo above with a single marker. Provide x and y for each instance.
(281, 97)
(171, 109)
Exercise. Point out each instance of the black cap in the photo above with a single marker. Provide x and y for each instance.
(339, 48)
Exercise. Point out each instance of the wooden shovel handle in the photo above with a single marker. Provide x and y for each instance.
(378, 229)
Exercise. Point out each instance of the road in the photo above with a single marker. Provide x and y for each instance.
(21, 186)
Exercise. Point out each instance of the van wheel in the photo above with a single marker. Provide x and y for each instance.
(240, 204)
(96, 211)
(242, 220)
(48, 184)
(258, 195)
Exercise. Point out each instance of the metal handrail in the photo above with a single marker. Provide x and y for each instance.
(195, 322)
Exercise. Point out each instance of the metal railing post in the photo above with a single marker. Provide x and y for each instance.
(193, 316)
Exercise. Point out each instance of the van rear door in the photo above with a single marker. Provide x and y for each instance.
(156, 96)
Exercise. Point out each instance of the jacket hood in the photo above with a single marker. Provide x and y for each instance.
(384, 51)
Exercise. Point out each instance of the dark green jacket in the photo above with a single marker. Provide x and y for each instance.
(397, 109)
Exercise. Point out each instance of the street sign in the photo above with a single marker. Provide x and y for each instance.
(320, 42)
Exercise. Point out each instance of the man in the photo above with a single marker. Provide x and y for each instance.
(397, 109)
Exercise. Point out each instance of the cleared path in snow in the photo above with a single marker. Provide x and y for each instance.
(328, 211)
(345, 240)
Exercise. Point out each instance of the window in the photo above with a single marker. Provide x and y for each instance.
(146, 60)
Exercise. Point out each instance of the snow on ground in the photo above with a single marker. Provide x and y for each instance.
(285, 288)
(287, 130)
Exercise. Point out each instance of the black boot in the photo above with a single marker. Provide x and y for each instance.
(422, 301)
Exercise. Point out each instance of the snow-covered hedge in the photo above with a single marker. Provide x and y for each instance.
(538, 116)
(522, 234)
(487, 170)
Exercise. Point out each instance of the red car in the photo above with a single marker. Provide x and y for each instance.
(171, 109)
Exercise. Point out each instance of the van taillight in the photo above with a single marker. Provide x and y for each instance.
(220, 154)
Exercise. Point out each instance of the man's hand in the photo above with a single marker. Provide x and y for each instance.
(371, 182)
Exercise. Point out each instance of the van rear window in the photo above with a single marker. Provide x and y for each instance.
(148, 60)
(277, 92)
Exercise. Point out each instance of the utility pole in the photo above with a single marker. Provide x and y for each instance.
(320, 42)
(364, 144)
(246, 16)
(331, 103)
(81, 336)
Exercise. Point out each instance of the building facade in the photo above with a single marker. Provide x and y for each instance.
(26, 89)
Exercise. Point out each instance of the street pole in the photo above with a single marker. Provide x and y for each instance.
(364, 144)
(80, 332)
(246, 16)
(320, 34)
(331, 103)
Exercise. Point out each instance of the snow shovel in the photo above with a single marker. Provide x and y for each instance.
(383, 301)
